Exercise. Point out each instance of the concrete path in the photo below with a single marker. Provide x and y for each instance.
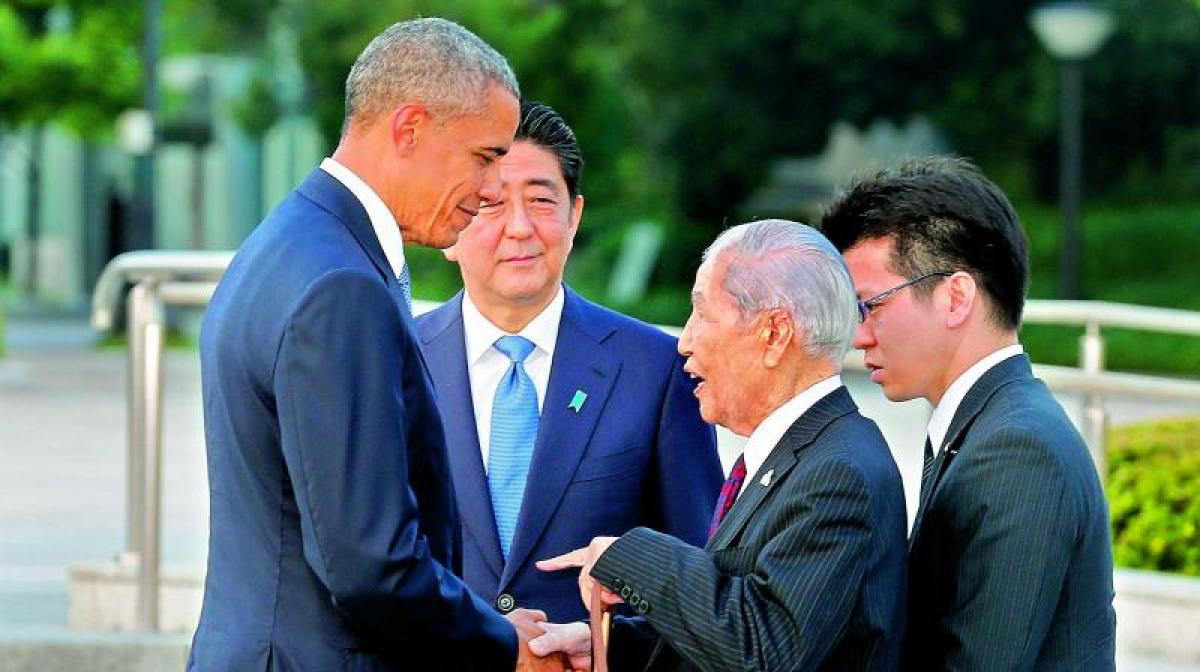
(62, 464)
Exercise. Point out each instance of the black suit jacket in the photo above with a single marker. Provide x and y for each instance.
(1011, 560)
(806, 572)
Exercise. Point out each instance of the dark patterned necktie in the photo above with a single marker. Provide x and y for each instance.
(729, 493)
(926, 469)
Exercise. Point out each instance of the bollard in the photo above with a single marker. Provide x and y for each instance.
(1095, 418)
(146, 336)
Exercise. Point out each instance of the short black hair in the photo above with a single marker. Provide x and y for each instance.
(544, 127)
(941, 214)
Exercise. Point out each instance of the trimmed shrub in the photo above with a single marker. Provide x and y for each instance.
(1154, 495)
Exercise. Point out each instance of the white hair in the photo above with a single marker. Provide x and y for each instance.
(434, 62)
(776, 263)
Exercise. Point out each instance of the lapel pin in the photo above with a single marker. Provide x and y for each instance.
(577, 401)
(766, 479)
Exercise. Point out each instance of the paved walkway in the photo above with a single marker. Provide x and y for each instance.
(62, 447)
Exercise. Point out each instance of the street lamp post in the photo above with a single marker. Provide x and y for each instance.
(1071, 32)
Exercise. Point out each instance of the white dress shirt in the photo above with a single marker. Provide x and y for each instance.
(770, 431)
(486, 365)
(386, 229)
(939, 422)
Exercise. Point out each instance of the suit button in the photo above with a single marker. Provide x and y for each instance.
(625, 592)
(505, 603)
(634, 600)
(618, 583)
(642, 608)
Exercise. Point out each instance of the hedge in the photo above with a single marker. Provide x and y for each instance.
(1154, 495)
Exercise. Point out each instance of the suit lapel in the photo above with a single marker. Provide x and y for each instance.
(581, 363)
(442, 337)
(783, 457)
(327, 193)
(1007, 371)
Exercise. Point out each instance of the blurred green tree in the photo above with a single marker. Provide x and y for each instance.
(74, 62)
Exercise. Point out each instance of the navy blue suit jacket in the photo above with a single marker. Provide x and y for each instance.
(333, 523)
(635, 453)
(1011, 562)
(806, 571)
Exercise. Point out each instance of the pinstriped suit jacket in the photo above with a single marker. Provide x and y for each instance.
(804, 574)
(1011, 560)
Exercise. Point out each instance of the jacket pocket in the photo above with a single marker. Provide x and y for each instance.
(609, 465)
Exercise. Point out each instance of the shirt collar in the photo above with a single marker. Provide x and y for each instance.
(479, 333)
(771, 430)
(939, 422)
(382, 220)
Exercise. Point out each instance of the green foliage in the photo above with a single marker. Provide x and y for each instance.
(82, 73)
(1142, 255)
(1153, 478)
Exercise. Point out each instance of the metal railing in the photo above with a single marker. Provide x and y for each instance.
(1090, 379)
(161, 278)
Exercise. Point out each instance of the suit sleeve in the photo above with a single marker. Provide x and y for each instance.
(790, 605)
(1013, 529)
(687, 467)
(340, 392)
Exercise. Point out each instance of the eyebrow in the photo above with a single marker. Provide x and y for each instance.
(541, 182)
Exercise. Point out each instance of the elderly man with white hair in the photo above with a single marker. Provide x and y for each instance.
(804, 566)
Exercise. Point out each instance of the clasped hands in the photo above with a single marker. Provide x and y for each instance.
(563, 645)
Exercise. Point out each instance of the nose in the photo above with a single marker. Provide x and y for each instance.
(518, 225)
(864, 335)
(489, 187)
(684, 346)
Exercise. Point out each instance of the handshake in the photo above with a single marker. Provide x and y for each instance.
(562, 646)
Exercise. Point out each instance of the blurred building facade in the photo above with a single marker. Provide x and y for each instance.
(214, 182)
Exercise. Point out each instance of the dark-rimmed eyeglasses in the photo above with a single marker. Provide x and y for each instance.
(867, 305)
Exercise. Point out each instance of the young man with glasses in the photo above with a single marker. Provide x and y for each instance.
(1010, 554)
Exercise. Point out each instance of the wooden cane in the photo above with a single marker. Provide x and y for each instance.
(600, 621)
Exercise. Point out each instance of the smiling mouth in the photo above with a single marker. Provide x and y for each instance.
(472, 213)
(523, 259)
(699, 384)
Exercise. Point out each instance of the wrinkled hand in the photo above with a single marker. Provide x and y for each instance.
(572, 639)
(526, 621)
(584, 558)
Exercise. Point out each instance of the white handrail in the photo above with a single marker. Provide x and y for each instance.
(188, 278)
(1108, 314)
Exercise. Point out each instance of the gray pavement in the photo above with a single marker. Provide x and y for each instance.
(62, 464)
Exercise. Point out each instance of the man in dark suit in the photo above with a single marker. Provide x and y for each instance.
(615, 437)
(805, 569)
(333, 525)
(1011, 560)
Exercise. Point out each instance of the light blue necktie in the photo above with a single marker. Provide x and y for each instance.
(514, 430)
(406, 287)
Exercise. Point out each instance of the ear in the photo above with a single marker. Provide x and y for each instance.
(576, 215)
(962, 294)
(775, 335)
(408, 123)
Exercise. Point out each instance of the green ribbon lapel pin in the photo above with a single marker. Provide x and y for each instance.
(577, 401)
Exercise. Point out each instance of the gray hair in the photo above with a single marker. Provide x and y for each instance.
(434, 62)
(775, 263)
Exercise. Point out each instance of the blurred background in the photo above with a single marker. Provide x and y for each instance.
(177, 124)
(692, 115)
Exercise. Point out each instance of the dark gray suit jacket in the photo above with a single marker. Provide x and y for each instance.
(806, 573)
(1011, 560)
